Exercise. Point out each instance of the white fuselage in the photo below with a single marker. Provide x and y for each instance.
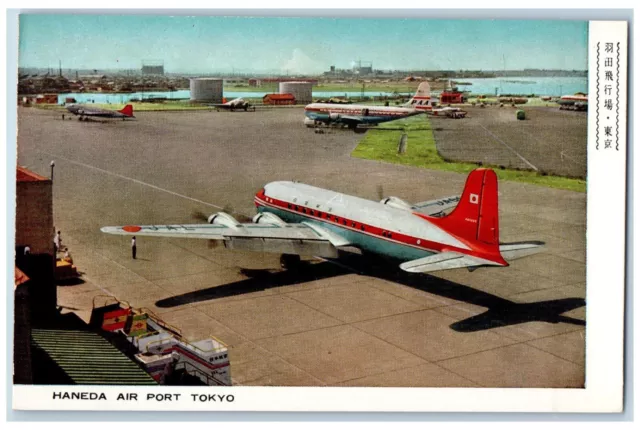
(371, 225)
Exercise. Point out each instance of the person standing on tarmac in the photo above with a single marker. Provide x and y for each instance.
(57, 243)
(134, 248)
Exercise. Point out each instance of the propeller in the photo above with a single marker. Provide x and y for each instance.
(201, 216)
(380, 191)
(242, 218)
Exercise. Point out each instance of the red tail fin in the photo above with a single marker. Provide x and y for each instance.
(476, 216)
(127, 110)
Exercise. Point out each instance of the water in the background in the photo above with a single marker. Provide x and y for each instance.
(491, 86)
(525, 86)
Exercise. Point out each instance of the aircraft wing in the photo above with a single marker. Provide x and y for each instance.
(298, 239)
(350, 119)
(437, 208)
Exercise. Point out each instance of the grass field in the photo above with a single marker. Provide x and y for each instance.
(382, 145)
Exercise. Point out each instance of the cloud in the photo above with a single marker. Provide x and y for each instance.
(302, 63)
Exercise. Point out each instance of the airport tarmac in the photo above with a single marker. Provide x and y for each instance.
(521, 326)
(549, 139)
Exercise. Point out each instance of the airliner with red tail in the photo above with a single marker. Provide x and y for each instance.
(295, 219)
(85, 112)
(354, 115)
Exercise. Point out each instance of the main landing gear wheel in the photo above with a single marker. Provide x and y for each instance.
(289, 261)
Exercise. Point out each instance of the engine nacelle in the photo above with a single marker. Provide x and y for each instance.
(334, 116)
(268, 218)
(397, 203)
(222, 218)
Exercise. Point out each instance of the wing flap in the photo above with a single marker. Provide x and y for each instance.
(444, 261)
(316, 248)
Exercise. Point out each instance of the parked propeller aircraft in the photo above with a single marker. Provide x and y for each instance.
(232, 105)
(575, 102)
(295, 219)
(449, 112)
(85, 112)
(354, 115)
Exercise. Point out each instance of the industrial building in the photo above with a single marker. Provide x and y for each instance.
(152, 67)
(34, 288)
(205, 90)
(301, 91)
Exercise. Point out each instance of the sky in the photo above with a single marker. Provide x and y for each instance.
(204, 44)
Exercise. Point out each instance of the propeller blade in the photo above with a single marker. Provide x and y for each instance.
(380, 191)
(199, 215)
(242, 218)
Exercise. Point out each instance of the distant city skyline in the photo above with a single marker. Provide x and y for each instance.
(297, 45)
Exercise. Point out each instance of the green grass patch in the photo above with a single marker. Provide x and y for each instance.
(382, 145)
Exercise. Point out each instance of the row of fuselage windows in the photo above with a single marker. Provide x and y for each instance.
(218, 357)
(333, 218)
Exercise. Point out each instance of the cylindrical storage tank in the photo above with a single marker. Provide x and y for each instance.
(205, 90)
(302, 91)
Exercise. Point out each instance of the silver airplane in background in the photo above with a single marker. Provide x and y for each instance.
(86, 112)
(232, 105)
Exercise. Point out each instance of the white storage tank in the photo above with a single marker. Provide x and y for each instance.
(302, 91)
(205, 90)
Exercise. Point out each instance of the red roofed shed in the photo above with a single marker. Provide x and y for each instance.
(279, 99)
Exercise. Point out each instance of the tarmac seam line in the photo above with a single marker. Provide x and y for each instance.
(509, 147)
(514, 343)
(555, 355)
(137, 181)
(410, 367)
(414, 355)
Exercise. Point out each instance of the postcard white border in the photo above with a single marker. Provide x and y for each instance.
(606, 196)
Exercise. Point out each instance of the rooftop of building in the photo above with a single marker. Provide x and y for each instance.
(25, 175)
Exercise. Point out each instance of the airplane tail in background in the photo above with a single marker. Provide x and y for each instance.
(421, 100)
(127, 110)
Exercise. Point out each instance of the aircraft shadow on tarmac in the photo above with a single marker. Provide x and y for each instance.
(500, 312)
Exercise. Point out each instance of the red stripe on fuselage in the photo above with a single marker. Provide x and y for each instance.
(359, 111)
(476, 250)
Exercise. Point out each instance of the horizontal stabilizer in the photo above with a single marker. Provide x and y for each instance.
(437, 208)
(515, 250)
(444, 261)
